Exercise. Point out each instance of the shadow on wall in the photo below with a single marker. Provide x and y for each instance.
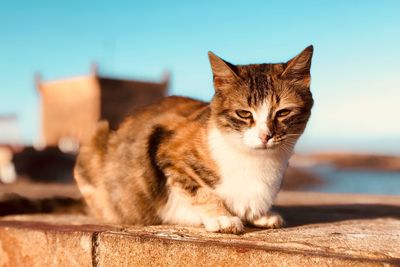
(313, 214)
(12, 204)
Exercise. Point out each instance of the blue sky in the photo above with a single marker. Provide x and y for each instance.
(355, 69)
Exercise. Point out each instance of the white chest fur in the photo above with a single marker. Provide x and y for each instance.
(250, 180)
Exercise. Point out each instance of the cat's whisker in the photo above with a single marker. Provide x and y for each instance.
(289, 141)
(286, 149)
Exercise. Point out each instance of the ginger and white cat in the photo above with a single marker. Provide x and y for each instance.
(218, 164)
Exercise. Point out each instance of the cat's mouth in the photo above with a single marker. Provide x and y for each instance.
(268, 146)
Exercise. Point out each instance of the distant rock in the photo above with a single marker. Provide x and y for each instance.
(348, 160)
(297, 178)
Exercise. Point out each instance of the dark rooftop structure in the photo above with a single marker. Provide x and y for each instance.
(70, 108)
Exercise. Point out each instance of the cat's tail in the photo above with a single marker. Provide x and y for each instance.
(90, 160)
(94, 150)
(100, 138)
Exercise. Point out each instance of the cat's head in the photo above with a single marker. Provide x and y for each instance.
(262, 106)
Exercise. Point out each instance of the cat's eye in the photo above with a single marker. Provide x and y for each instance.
(282, 113)
(244, 114)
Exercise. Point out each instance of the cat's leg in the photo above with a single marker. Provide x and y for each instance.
(214, 214)
(185, 207)
(189, 194)
(269, 220)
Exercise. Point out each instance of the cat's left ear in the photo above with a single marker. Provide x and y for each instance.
(223, 72)
(298, 68)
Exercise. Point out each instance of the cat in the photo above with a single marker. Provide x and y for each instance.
(187, 162)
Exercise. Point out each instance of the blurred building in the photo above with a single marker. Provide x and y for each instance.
(71, 107)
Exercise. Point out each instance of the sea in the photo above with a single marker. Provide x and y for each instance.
(355, 181)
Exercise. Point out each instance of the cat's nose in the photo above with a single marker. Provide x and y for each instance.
(265, 138)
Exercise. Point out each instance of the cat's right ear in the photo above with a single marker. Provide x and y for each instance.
(298, 68)
(223, 72)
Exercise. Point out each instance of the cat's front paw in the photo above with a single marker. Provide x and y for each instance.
(224, 224)
(270, 220)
